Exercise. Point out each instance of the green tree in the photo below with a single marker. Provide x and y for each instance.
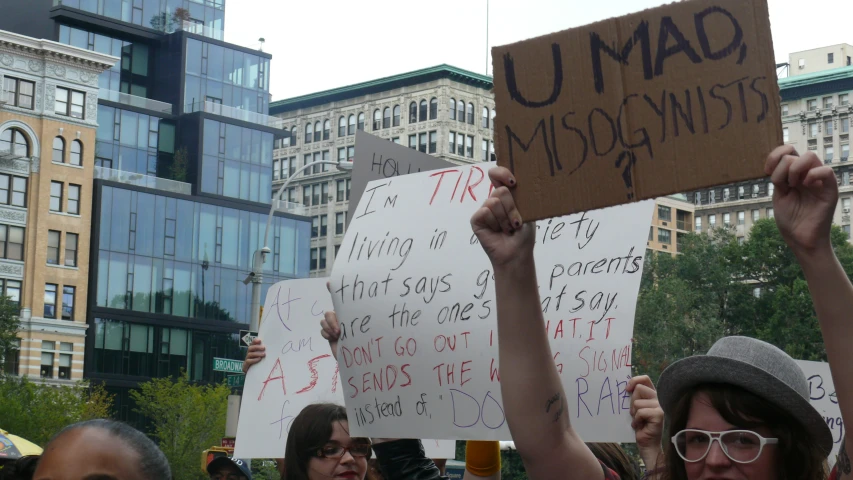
(9, 323)
(185, 419)
(37, 411)
(180, 162)
(264, 470)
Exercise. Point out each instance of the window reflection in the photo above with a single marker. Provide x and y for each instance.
(236, 162)
(160, 254)
(133, 142)
(224, 76)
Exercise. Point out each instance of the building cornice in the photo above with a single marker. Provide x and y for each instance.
(56, 51)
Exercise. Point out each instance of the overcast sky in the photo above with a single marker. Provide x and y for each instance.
(322, 44)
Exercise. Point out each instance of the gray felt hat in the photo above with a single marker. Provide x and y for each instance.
(755, 366)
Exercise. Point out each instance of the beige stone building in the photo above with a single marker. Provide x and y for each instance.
(672, 219)
(820, 59)
(817, 109)
(443, 111)
(48, 119)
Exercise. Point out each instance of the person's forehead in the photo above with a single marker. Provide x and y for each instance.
(105, 455)
(340, 432)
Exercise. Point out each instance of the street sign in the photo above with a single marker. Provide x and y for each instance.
(235, 381)
(227, 365)
(246, 337)
(228, 442)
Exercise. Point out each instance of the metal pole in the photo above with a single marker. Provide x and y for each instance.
(259, 257)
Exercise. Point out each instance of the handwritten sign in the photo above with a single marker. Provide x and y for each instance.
(822, 396)
(377, 158)
(415, 296)
(667, 100)
(299, 370)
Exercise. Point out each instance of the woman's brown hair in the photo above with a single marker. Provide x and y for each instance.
(797, 455)
(615, 458)
(310, 431)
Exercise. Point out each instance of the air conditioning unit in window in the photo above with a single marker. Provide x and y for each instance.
(846, 210)
(754, 195)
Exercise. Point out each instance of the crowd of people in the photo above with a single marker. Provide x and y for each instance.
(740, 412)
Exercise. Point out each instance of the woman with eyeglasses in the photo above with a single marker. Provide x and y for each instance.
(741, 412)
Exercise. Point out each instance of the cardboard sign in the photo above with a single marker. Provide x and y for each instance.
(377, 158)
(822, 396)
(414, 293)
(299, 370)
(667, 100)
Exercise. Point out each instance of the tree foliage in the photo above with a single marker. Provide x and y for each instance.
(37, 411)
(180, 164)
(185, 419)
(8, 326)
(717, 287)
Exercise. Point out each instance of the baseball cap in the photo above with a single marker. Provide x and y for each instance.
(223, 461)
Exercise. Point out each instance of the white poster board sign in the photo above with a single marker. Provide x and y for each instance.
(822, 396)
(415, 297)
(298, 370)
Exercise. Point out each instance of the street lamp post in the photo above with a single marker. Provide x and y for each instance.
(256, 277)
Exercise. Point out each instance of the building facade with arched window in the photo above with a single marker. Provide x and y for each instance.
(435, 110)
(48, 120)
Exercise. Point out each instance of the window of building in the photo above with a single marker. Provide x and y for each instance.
(65, 349)
(785, 136)
(469, 146)
(11, 289)
(769, 213)
(12, 242)
(433, 142)
(322, 264)
(76, 157)
(58, 150)
(755, 215)
(485, 151)
(315, 257)
(698, 224)
(452, 109)
(812, 129)
(845, 152)
(341, 196)
(770, 188)
(14, 142)
(339, 223)
(71, 249)
(12, 358)
(485, 119)
(740, 192)
(828, 153)
(651, 233)
(460, 144)
(664, 213)
(68, 302)
(315, 227)
(712, 196)
(413, 142)
(360, 122)
(395, 140)
(843, 99)
(275, 169)
(712, 221)
(846, 230)
(317, 132)
(422, 114)
(69, 103)
(377, 119)
(452, 140)
(827, 102)
(55, 196)
(827, 127)
(48, 350)
(53, 238)
(18, 195)
(342, 126)
(845, 179)
(327, 129)
(460, 111)
(433, 108)
(50, 292)
(726, 195)
(830, 57)
(470, 112)
(386, 117)
(727, 219)
(697, 198)
(413, 112)
(19, 93)
(811, 105)
(845, 204)
(785, 109)
(741, 217)
(324, 225)
(664, 236)
(397, 113)
(351, 125)
(422, 142)
(309, 132)
(845, 124)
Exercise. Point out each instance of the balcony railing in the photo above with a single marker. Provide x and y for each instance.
(291, 207)
(134, 101)
(141, 180)
(235, 113)
(203, 30)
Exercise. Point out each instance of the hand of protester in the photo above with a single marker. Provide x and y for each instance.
(499, 226)
(647, 419)
(331, 331)
(805, 198)
(257, 351)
